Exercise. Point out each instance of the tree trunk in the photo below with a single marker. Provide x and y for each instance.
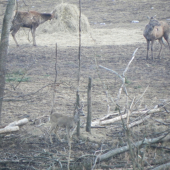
(4, 47)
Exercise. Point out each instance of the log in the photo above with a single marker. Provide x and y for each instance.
(126, 148)
(109, 121)
(8, 129)
(14, 126)
(164, 166)
(19, 122)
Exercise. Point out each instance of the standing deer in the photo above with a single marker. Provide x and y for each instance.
(31, 19)
(59, 120)
(156, 30)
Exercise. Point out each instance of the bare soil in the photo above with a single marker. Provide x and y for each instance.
(111, 42)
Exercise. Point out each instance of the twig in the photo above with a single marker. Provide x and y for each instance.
(141, 96)
(24, 3)
(163, 123)
(79, 54)
(69, 155)
(165, 109)
(133, 56)
(112, 72)
(129, 112)
(139, 121)
(95, 162)
(55, 80)
(29, 94)
(122, 78)
(123, 75)
(22, 78)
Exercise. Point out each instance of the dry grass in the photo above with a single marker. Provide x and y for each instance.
(66, 20)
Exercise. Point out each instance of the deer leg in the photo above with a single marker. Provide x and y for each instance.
(152, 42)
(14, 31)
(33, 35)
(148, 42)
(161, 42)
(168, 44)
(68, 135)
(56, 130)
(166, 36)
(52, 128)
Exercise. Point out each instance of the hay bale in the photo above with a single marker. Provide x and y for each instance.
(66, 20)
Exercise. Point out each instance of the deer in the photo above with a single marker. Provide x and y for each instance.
(58, 120)
(30, 19)
(156, 30)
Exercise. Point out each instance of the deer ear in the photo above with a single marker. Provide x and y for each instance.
(154, 16)
(149, 17)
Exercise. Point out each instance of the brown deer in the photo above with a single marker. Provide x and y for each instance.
(31, 19)
(59, 120)
(156, 30)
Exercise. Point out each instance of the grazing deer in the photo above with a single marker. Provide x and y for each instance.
(156, 30)
(31, 19)
(59, 120)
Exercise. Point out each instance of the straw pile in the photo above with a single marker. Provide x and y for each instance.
(66, 20)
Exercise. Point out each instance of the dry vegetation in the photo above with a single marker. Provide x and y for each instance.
(66, 20)
(111, 41)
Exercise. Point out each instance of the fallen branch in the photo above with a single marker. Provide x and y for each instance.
(139, 121)
(98, 127)
(164, 166)
(109, 121)
(14, 126)
(126, 148)
(8, 129)
(19, 122)
(163, 123)
(109, 115)
(121, 77)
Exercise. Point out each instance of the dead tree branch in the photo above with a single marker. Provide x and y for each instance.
(126, 148)
(139, 121)
(123, 75)
(164, 166)
(14, 126)
(109, 121)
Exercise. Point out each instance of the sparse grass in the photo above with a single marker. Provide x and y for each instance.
(17, 76)
(137, 87)
(46, 75)
(98, 55)
(127, 81)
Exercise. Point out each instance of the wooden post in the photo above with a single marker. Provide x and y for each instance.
(88, 124)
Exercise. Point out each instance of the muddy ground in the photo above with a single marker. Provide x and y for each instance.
(111, 42)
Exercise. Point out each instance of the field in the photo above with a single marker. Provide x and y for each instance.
(113, 38)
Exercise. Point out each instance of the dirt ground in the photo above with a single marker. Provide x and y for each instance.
(113, 38)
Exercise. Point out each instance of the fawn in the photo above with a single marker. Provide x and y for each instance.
(59, 120)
